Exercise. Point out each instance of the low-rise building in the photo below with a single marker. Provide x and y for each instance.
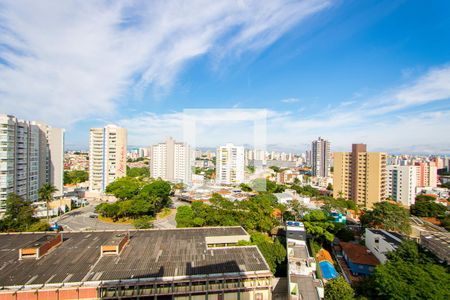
(380, 242)
(200, 263)
(359, 259)
(302, 282)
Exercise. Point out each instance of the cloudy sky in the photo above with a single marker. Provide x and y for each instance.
(376, 72)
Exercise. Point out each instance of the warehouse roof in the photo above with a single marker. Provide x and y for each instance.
(149, 254)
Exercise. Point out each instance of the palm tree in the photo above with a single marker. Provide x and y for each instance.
(45, 194)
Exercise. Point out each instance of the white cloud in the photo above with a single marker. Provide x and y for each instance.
(290, 100)
(432, 86)
(397, 128)
(70, 60)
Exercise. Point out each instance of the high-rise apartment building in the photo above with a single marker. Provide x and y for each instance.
(320, 157)
(401, 184)
(51, 142)
(107, 156)
(31, 154)
(230, 164)
(426, 174)
(171, 161)
(360, 175)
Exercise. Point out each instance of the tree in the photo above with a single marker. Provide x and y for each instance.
(320, 225)
(426, 207)
(273, 251)
(39, 226)
(298, 208)
(339, 289)
(245, 187)
(19, 213)
(184, 216)
(408, 274)
(388, 216)
(136, 172)
(125, 187)
(144, 222)
(46, 194)
(75, 176)
(329, 187)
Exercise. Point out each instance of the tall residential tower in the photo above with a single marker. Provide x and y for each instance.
(171, 161)
(31, 154)
(360, 176)
(107, 156)
(230, 164)
(320, 157)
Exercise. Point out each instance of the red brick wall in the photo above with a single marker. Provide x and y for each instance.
(123, 242)
(52, 294)
(50, 244)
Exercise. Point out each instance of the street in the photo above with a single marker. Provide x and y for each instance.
(80, 220)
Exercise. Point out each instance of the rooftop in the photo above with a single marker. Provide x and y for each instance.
(393, 238)
(149, 254)
(359, 254)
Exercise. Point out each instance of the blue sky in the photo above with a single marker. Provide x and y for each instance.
(351, 71)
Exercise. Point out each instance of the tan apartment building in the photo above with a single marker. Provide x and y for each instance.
(107, 156)
(360, 175)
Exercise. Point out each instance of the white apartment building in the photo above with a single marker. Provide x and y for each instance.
(107, 156)
(380, 242)
(52, 143)
(230, 164)
(171, 161)
(31, 154)
(320, 157)
(401, 183)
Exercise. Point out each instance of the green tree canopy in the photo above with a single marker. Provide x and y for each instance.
(273, 251)
(19, 216)
(75, 176)
(125, 187)
(320, 225)
(409, 273)
(426, 207)
(338, 289)
(136, 172)
(388, 216)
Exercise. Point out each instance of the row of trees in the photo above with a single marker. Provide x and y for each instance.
(137, 197)
(258, 215)
(255, 213)
(75, 176)
(19, 216)
(410, 273)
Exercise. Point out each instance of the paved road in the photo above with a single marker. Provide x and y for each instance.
(170, 221)
(79, 219)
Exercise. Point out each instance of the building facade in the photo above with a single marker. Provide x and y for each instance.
(31, 154)
(107, 156)
(171, 161)
(320, 157)
(380, 242)
(360, 176)
(401, 184)
(230, 165)
(426, 173)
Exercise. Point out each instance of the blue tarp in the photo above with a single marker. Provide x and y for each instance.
(328, 271)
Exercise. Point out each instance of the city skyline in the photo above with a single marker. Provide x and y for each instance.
(349, 71)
